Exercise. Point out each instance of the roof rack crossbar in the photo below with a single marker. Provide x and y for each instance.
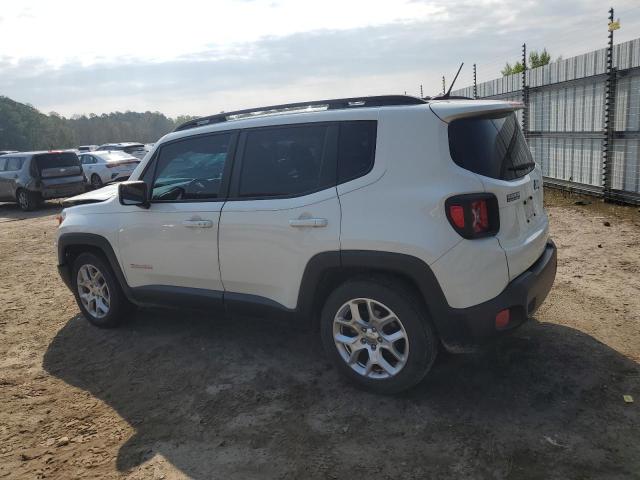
(332, 104)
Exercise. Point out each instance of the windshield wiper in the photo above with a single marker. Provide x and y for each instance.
(524, 166)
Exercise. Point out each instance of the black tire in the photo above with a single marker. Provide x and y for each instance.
(422, 344)
(119, 306)
(96, 182)
(28, 200)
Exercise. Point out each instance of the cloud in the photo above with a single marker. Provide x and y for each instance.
(386, 58)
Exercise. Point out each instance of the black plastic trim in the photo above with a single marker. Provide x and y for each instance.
(182, 297)
(458, 329)
(67, 240)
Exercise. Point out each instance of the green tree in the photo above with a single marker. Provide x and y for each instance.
(24, 128)
(536, 59)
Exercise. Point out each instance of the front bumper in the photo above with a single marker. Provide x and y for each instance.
(466, 328)
(65, 274)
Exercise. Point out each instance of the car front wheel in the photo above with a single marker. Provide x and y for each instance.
(98, 292)
(378, 335)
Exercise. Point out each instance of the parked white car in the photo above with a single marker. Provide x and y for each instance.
(393, 224)
(87, 148)
(104, 167)
(138, 150)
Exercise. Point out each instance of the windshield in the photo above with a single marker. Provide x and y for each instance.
(492, 146)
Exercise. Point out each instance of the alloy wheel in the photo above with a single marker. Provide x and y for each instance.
(370, 338)
(93, 291)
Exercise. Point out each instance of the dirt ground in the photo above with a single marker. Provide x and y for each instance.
(178, 394)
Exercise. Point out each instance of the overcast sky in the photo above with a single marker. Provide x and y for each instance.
(201, 57)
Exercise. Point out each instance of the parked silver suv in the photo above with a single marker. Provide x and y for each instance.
(28, 178)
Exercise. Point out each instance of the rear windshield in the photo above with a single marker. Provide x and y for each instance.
(133, 148)
(116, 156)
(492, 146)
(57, 160)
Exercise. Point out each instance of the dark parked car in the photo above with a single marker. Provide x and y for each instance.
(28, 178)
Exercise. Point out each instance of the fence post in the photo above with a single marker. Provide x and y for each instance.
(444, 87)
(609, 116)
(525, 94)
(475, 83)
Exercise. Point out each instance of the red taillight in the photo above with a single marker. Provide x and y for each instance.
(456, 212)
(480, 217)
(473, 215)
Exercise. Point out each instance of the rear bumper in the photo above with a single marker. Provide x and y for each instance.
(63, 190)
(465, 328)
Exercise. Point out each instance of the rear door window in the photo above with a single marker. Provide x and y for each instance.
(286, 161)
(492, 146)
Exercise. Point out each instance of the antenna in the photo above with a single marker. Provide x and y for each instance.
(446, 95)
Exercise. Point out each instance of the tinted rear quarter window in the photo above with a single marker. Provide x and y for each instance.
(492, 146)
(356, 149)
(286, 161)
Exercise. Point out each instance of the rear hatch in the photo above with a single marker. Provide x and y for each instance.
(57, 169)
(120, 162)
(485, 138)
(138, 151)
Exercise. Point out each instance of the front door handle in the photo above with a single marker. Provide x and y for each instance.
(308, 222)
(197, 223)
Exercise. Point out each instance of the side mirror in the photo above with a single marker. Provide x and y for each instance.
(133, 193)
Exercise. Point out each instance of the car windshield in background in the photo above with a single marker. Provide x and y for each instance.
(115, 156)
(57, 160)
(491, 146)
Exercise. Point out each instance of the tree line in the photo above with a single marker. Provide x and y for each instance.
(24, 128)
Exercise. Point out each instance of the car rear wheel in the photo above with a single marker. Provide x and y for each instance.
(96, 181)
(378, 335)
(98, 292)
(27, 200)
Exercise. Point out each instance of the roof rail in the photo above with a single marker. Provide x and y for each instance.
(334, 104)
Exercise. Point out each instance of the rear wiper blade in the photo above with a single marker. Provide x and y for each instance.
(524, 166)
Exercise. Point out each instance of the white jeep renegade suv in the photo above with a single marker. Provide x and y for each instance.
(394, 224)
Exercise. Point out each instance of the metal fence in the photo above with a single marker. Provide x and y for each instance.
(582, 119)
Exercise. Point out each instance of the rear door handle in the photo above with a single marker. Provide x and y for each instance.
(197, 223)
(308, 222)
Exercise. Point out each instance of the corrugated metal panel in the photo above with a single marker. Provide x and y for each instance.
(626, 165)
(628, 103)
(566, 117)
